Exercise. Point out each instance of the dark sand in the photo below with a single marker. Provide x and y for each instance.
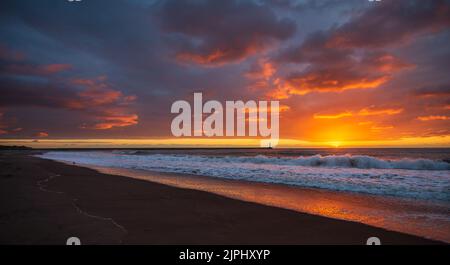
(45, 202)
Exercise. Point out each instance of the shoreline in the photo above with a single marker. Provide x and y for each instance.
(373, 210)
(81, 201)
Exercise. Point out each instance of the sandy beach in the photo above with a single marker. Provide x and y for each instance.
(45, 202)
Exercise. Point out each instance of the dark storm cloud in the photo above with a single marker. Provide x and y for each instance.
(216, 32)
(13, 62)
(336, 69)
(116, 39)
(351, 56)
(434, 90)
(122, 39)
(32, 93)
(388, 23)
(23, 83)
(392, 22)
(369, 71)
(98, 27)
(107, 107)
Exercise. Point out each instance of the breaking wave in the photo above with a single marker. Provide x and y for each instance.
(406, 177)
(361, 161)
(350, 161)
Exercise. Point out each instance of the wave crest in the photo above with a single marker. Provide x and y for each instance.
(343, 161)
(361, 161)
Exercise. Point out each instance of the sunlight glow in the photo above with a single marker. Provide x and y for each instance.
(433, 141)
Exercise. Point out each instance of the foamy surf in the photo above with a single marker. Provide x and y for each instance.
(347, 160)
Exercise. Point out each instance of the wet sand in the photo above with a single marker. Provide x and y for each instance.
(416, 217)
(45, 202)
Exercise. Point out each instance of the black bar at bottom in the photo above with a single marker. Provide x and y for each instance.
(223, 254)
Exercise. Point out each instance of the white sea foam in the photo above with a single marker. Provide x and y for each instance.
(362, 161)
(351, 161)
(410, 178)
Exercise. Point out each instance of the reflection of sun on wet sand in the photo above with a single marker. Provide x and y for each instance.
(373, 210)
(151, 213)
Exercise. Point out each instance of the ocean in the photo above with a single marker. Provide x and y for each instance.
(411, 186)
(409, 173)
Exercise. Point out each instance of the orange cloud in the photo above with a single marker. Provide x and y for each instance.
(219, 56)
(54, 68)
(116, 121)
(370, 73)
(108, 105)
(90, 82)
(329, 82)
(389, 63)
(281, 108)
(333, 68)
(364, 123)
(371, 111)
(281, 90)
(263, 70)
(380, 128)
(433, 118)
(212, 58)
(97, 92)
(362, 112)
(41, 134)
(100, 96)
(261, 75)
(333, 116)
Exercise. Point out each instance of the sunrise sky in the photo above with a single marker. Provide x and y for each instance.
(105, 73)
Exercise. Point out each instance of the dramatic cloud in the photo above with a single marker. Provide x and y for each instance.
(377, 111)
(433, 118)
(435, 90)
(390, 23)
(343, 70)
(263, 69)
(333, 116)
(115, 120)
(349, 56)
(107, 107)
(335, 70)
(97, 92)
(261, 75)
(217, 32)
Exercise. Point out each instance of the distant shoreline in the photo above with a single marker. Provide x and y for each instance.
(15, 147)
